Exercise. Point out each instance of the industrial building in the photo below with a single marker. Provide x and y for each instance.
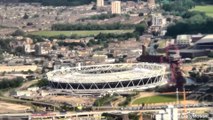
(191, 53)
(108, 78)
(205, 42)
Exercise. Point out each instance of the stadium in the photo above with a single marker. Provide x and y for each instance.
(108, 78)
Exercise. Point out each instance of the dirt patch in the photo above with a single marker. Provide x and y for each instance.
(74, 100)
(12, 108)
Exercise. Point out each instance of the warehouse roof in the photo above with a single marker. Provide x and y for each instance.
(206, 39)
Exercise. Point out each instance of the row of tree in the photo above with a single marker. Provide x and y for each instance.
(104, 38)
(16, 82)
(101, 39)
(193, 23)
(177, 6)
(71, 45)
(100, 17)
(90, 26)
(203, 2)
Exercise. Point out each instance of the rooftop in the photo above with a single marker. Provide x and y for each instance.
(188, 51)
(206, 39)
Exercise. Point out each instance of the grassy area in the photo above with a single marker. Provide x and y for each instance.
(156, 99)
(78, 33)
(208, 9)
(162, 43)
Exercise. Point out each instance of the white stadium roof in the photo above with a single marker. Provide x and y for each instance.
(115, 72)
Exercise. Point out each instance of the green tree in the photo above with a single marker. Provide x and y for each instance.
(30, 71)
(16, 82)
(193, 23)
(18, 33)
(25, 16)
(92, 26)
(19, 50)
(178, 6)
(140, 28)
(4, 45)
(101, 16)
(43, 82)
(36, 38)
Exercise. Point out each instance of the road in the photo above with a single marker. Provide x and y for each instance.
(27, 84)
(27, 102)
(127, 110)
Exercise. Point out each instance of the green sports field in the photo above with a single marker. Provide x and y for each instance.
(78, 33)
(208, 9)
(156, 99)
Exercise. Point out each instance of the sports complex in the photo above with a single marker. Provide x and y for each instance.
(108, 78)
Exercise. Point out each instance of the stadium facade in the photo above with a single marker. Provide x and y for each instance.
(107, 78)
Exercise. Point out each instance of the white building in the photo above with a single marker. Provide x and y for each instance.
(23, 93)
(183, 40)
(170, 113)
(42, 51)
(116, 7)
(158, 20)
(162, 116)
(42, 48)
(110, 60)
(33, 89)
(99, 3)
(28, 48)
